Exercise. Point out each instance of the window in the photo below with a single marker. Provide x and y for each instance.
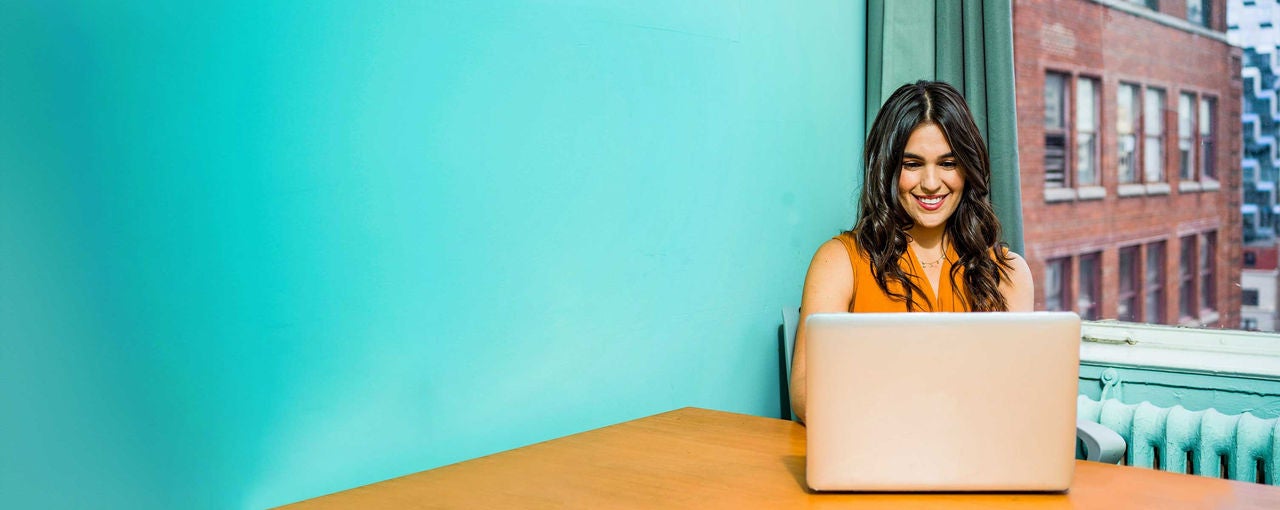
(1055, 130)
(1086, 123)
(1207, 154)
(1153, 309)
(1249, 297)
(1127, 139)
(1128, 295)
(1056, 283)
(1153, 131)
(1208, 267)
(1198, 12)
(1186, 137)
(1250, 324)
(1186, 277)
(1250, 259)
(1090, 287)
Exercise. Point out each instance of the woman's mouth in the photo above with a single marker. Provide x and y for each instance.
(930, 202)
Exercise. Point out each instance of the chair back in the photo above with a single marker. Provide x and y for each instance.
(786, 348)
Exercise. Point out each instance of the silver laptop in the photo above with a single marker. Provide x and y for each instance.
(942, 401)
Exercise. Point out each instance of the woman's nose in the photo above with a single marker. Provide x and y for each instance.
(930, 179)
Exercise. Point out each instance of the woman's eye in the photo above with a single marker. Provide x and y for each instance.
(950, 164)
(910, 164)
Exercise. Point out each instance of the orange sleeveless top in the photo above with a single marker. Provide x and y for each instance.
(867, 296)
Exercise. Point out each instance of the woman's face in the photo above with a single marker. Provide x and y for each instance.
(930, 182)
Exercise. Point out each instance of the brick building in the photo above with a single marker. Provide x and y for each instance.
(1130, 155)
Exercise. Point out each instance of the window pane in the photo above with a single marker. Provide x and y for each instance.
(1186, 119)
(1208, 270)
(1086, 164)
(1196, 12)
(1085, 105)
(1207, 168)
(1127, 141)
(1054, 101)
(1126, 115)
(1055, 284)
(1153, 120)
(1186, 296)
(1153, 127)
(1249, 297)
(1153, 164)
(1153, 310)
(1090, 282)
(1127, 298)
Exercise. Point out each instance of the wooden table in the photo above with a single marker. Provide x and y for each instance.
(697, 458)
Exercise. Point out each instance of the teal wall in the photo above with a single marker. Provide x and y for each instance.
(252, 253)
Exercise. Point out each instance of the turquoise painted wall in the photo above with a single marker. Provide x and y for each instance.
(256, 252)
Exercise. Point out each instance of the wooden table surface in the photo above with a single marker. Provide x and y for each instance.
(697, 458)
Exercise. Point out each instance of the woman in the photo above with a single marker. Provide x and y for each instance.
(927, 238)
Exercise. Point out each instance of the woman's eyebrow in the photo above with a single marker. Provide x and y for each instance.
(909, 155)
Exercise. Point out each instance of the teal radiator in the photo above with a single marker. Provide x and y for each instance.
(1208, 443)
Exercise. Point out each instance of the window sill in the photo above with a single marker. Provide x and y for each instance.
(1192, 350)
(1131, 190)
(1210, 185)
(1189, 187)
(1158, 188)
(1059, 194)
(1091, 193)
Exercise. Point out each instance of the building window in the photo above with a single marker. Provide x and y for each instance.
(1207, 154)
(1086, 124)
(1153, 135)
(1186, 277)
(1128, 296)
(1126, 127)
(1186, 137)
(1088, 305)
(1250, 324)
(1249, 297)
(1208, 261)
(1198, 12)
(1057, 284)
(1055, 130)
(1153, 302)
(1250, 259)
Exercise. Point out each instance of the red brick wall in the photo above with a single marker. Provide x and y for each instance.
(1084, 38)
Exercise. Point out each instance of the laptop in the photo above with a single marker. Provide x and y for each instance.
(942, 402)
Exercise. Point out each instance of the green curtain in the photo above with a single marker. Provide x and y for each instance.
(969, 44)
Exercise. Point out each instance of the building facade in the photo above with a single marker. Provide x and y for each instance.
(1130, 158)
(1259, 287)
(1252, 25)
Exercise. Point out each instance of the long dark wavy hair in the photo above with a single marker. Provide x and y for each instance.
(973, 230)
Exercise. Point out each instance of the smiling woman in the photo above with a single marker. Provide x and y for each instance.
(927, 238)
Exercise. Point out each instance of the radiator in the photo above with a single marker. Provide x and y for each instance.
(1208, 443)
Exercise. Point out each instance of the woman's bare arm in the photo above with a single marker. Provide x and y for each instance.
(828, 287)
(1019, 290)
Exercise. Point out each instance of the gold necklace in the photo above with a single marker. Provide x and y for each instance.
(935, 263)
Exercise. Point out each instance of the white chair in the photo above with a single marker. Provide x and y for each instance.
(1101, 444)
